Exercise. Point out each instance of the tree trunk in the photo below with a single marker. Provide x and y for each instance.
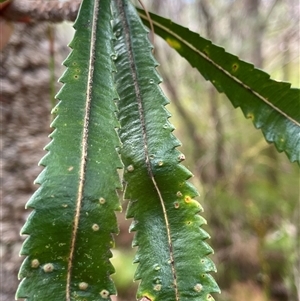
(25, 117)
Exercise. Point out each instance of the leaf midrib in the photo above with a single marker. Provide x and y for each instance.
(126, 28)
(83, 161)
(203, 55)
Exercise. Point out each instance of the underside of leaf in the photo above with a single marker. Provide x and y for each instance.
(274, 107)
(172, 253)
(70, 228)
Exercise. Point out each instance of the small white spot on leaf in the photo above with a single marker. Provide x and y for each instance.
(48, 267)
(179, 194)
(102, 201)
(83, 286)
(198, 287)
(95, 227)
(130, 168)
(118, 33)
(104, 294)
(181, 157)
(114, 56)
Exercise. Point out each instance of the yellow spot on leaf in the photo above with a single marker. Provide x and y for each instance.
(70, 168)
(250, 116)
(173, 43)
(187, 199)
(193, 203)
(35, 263)
(147, 297)
(235, 67)
(157, 287)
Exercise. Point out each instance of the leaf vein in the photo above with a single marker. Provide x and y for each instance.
(144, 132)
(83, 160)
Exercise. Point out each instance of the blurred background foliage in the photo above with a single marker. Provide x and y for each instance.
(249, 191)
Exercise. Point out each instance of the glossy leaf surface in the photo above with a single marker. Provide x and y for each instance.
(172, 253)
(273, 106)
(70, 228)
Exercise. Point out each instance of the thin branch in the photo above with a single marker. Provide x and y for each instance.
(150, 22)
(275, 2)
(40, 10)
(220, 170)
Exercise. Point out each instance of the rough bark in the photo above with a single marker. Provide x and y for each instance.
(25, 117)
(41, 10)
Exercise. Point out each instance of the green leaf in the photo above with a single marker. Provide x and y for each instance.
(273, 106)
(172, 254)
(70, 229)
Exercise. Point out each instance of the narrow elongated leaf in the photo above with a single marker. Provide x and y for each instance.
(273, 106)
(70, 229)
(172, 254)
